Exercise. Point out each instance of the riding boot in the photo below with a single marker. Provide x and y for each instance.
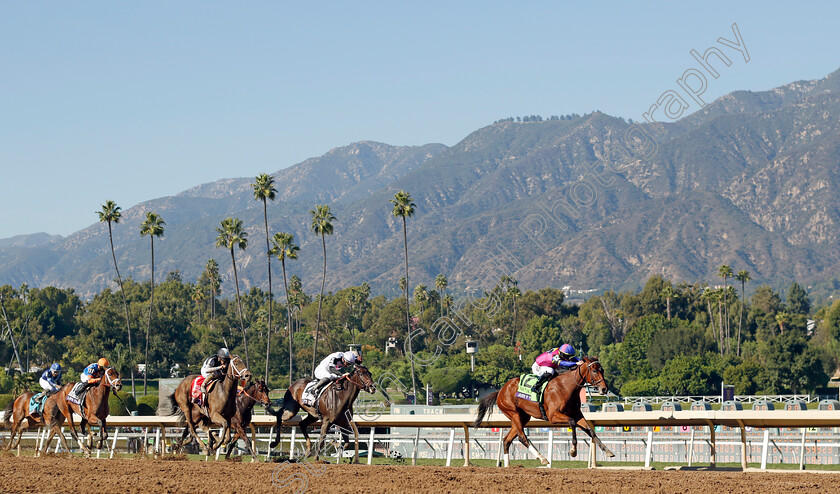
(543, 378)
(323, 382)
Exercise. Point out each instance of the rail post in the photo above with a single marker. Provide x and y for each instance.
(765, 446)
(551, 445)
(466, 445)
(370, 446)
(802, 450)
(449, 446)
(649, 448)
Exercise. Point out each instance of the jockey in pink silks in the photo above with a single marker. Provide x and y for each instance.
(547, 364)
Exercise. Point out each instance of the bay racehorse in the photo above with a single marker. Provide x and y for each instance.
(57, 409)
(562, 406)
(14, 415)
(245, 401)
(220, 405)
(334, 407)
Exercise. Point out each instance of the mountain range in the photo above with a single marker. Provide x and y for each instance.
(750, 180)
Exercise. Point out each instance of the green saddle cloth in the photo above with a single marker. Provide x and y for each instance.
(526, 382)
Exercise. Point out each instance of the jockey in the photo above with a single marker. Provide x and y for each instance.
(331, 368)
(90, 376)
(547, 364)
(94, 372)
(214, 368)
(51, 379)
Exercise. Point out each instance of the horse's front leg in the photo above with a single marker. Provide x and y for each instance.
(573, 451)
(325, 427)
(585, 427)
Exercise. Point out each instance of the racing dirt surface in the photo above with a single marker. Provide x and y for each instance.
(54, 474)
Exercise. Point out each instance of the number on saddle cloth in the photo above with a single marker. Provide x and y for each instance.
(526, 382)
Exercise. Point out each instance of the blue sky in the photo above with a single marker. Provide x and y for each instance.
(133, 101)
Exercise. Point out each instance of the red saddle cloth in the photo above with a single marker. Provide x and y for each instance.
(195, 389)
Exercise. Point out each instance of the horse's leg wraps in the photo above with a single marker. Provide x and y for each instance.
(507, 460)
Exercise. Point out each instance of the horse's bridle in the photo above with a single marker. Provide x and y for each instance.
(358, 384)
(108, 380)
(238, 373)
(255, 399)
(589, 371)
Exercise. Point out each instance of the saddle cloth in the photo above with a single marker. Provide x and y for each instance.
(77, 399)
(195, 389)
(36, 403)
(308, 398)
(526, 382)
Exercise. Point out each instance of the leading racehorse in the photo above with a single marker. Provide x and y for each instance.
(221, 404)
(57, 409)
(335, 407)
(562, 406)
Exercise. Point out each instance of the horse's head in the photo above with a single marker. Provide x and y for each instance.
(593, 374)
(363, 375)
(112, 378)
(260, 393)
(237, 369)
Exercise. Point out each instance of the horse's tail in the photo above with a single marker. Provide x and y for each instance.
(169, 406)
(290, 404)
(7, 414)
(485, 406)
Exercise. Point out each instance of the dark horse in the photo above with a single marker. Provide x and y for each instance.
(335, 407)
(562, 406)
(14, 415)
(245, 400)
(57, 409)
(221, 405)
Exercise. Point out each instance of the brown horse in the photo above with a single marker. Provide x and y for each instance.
(562, 406)
(14, 415)
(245, 401)
(57, 409)
(335, 407)
(221, 405)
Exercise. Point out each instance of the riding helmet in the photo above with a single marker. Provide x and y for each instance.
(567, 349)
(103, 362)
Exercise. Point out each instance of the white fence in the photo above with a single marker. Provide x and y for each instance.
(553, 441)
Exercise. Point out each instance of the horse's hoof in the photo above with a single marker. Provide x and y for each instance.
(572, 453)
(544, 466)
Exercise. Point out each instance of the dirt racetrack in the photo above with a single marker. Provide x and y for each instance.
(55, 474)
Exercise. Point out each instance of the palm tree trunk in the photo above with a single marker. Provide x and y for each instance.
(668, 306)
(149, 326)
(239, 305)
(720, 326)
(740, 320)
(270, 296)
(125, 306)
(712, 318)
(289, 323)
(320, 300)
(408, 316)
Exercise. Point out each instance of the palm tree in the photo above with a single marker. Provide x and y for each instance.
(782, 318)
(198, 297)
(725, 272)
(514, 293)
(710, 297)
(743, 276)
(421, 296)
(111, 213)
(668, 293)
(284, 248)
(263, 191)
(151, 227)
(322, 225)
(441, 283)
(402, 283)
(212, 268)
(404, 208)
(230, 235)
